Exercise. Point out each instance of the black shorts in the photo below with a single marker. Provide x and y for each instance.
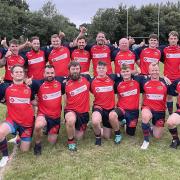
(53, 125)
(82, 120)
(131, 116)
(105, 115)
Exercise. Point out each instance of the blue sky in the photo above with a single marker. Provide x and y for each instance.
(82, 11)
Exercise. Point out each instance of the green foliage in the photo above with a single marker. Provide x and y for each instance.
(142, 21)
(16, 22)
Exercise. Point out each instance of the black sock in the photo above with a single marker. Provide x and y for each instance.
(174, 133)
(4, 148)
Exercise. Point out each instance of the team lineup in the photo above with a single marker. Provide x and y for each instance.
(38, 80)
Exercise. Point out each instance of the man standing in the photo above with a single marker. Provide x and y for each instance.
(171, 60)
(81, 55)
(149, 54)
(11, 58)
(19, 112)
(124, 56)
(77, 104)
(58, 56)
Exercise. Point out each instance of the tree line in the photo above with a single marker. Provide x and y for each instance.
(18, 21)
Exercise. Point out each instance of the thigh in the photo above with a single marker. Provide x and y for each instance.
(158, 131)
(174, 119)
(40, 121)
(146, 115)
(96, 116)
(5, 129)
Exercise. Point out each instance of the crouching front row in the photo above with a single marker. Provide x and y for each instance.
(76, 88)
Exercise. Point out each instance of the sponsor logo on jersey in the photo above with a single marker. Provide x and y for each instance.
(78, 90)
(175, 55)
(104, 89)
(129, 93)
(61, 57)
(128, 61)
(36, 60)
(51, 96)
(100, 55)
(150, 60)
(17, 100)
(158, 97)
(80, 59)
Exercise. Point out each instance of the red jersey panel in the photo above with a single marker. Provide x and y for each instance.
(77, 95)
(101, 53)
(178, 91)
(172, 62)
(19, 108)
(128, 95)
(60, 58)
(155, 93)
(49, 99)
(103, 91)
(148, 56)
(122, 57)
(36, 64)
(10, 62)
(83, 57)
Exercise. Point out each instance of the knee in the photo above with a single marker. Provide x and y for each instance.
(170, 122)
(112, 116)
(70, 122)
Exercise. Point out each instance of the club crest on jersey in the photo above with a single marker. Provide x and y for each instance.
(131, 84)
(55, 85)
(159, 87)
(25, 91)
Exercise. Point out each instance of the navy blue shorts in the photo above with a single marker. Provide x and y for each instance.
(105, 115)
(53, 125)
(131, 116)
(25, 133)
(82, 120)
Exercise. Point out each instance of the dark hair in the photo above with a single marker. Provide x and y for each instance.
(102, 63)
(17, 65)
(74, 64)
(49, 66)
(153, 36)
(81, 37)
(125, 66)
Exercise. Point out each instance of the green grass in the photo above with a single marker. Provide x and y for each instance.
(124, 161)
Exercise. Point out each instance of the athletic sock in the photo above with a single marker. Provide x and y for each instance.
(177, 106)
(170, 107)
(3, 147)
(174, 133)
(146, 132)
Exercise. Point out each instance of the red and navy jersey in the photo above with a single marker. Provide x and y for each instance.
(155, 93)
(10, 62)
(77, 95)
(101, 53)
(49, 97)
(175, 89)
(171, 59)
(148, 56)
(103, 91)
(128, 93)
(35, 64)
(18, 102)
(128, 57)
(2, 52)
(83, 57)
(60, 58)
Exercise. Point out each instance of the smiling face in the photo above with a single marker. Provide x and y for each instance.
(100, 39)
(124, 44)
(35, 45)
(55, 42)
(154, 71)
(14, 48)
(74, 72)
(173, 40)
(81, 43)
(18, 74)
(49, 74)
(153, 43)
